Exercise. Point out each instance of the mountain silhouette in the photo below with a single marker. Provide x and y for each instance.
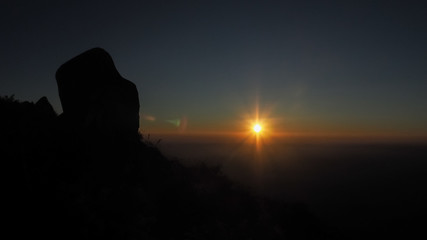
(89, 174)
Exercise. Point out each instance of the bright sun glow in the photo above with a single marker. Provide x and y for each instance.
(257, 128)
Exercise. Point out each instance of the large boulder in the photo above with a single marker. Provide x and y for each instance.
(95, 96)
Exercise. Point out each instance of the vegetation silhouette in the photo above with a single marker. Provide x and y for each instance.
(89, 174)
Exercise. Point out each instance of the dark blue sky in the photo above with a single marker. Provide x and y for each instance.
(315, 66)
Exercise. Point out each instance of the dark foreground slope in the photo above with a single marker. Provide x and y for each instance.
(62, 185)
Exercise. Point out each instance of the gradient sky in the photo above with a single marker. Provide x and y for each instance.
(312, 66)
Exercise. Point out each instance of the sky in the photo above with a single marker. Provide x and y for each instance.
(309, 67)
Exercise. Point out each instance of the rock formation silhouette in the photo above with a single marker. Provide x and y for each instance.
(100, 118)
(94, 95)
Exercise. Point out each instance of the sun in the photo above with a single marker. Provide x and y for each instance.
(257, 128)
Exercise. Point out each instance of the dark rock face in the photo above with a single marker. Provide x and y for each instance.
(98, 130)
(97, 145)
(94, 95)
